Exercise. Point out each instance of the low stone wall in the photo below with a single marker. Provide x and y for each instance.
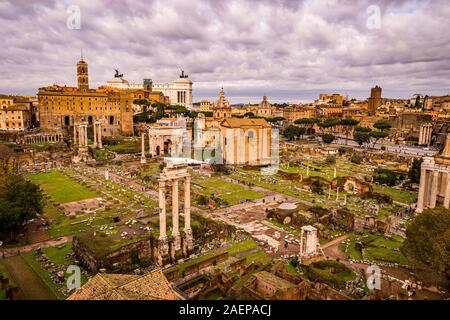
(145, 249)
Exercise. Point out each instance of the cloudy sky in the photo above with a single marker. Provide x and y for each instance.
(290, 50)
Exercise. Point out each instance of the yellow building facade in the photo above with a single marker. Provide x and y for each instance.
(62, 107)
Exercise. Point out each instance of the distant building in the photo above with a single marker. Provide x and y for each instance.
(179, 92)
(227, 140)
(375, 101)
(435, 180)
(221, 108)
(16, 113)
(62, 107)
(205, 105)
(296, 112)
(334, 98)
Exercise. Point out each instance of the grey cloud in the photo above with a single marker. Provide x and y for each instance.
(282, 47)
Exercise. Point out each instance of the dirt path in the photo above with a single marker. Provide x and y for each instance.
(31, 286)
(335, 241)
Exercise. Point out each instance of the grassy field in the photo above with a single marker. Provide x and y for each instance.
(59, 257)
(60, 188)
(43, 274)
(375, 248)
(402, 196)
(229, 192)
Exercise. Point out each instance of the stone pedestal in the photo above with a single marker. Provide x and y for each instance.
(163, 248)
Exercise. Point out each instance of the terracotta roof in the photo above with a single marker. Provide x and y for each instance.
(245, 122)
(151, 286)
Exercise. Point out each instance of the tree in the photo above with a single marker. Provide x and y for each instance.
(20, 200)
(307, 123)
(328, 138)
(330, 123)
(361, 137)
(249, 115)
(207, 114)
(377, 135)
(428, 241)
(144, 103)
(362, 129)
(414, 171)
(356, 159)
(386, 176)
(316, 187)
(293, 132)
(382, 125)
(275, 119)
(348, 124)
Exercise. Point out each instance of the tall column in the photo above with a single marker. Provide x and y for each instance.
(447, 191)
(99, 132)
(162, 211)
(175, 214)
(85, 136)
(80, 135)
(143, 159)
(187, 214)
(95, 134)
(421, 197)
(187, 204)
(434, 187)
(150, 147)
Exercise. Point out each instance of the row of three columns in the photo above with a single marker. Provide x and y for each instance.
(175, 211)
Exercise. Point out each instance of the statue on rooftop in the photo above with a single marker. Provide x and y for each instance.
(118, 75)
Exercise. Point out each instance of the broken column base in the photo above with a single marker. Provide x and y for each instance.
(163, 250)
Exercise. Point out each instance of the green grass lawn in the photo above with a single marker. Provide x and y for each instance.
(126, 147)
(402, 196)
(229, 192)
(58, 257)
(60, 188)
(376, 248)
(43, 274)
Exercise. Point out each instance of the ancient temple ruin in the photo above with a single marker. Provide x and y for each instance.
(171, 175)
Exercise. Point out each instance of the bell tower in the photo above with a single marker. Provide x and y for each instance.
(82, 75)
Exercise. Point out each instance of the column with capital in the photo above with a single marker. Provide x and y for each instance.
(150, 144)
(434, 187)
(162, 211)
(163, 247)
(94, 125)
(99, 132)
(447, 191)
(175, 215)
(421, 197)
